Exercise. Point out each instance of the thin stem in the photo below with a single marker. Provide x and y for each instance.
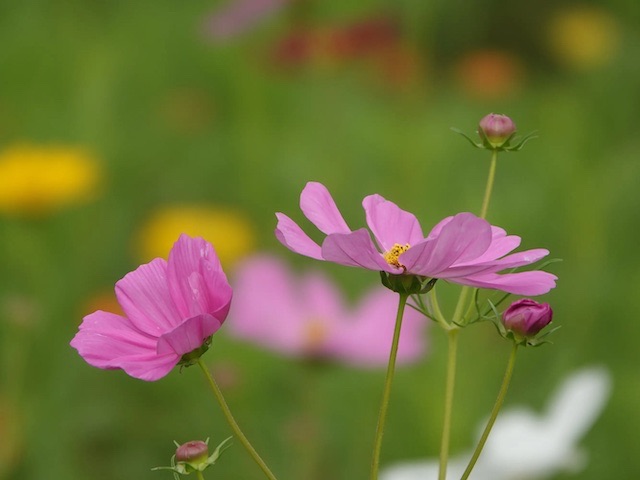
(232, 423)
(460, 306)
(375, 460)
(199, 475)
(494, 413)
(489, 187)
(437, 313)
(448, 402)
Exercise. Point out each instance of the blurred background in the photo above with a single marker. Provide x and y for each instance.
(123, 124)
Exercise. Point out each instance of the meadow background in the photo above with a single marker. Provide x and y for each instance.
(179, 112)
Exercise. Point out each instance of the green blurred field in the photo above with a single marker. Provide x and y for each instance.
(176, 118)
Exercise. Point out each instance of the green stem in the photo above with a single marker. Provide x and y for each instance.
(437, 313)
(448, 401)
(494, 413)
(232, 423)
(199, 475)
(375, 460)
(489, 187)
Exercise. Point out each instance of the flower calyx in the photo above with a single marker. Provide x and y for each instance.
(191, 358)
(407, 284)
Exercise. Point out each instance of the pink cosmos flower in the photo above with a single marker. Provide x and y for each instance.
(172, 308)
(306, 317)
(462, 249)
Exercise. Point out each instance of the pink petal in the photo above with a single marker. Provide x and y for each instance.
(498, 248)
(464, 238)
(520, 283)
(276, 310)
(150, 367)
(267, 308)
(291, 236)
(145, 298)
(519, 259)
(435, 231)
(320, 297)
(188, 336)
(197, 282)
(510, 261)
(365, 339)
(356, 250)
(109, 341)
(390, 224)
(319, 207)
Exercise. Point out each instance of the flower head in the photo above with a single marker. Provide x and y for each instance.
(172, 309)
(194, 457)
(462, 249)
(193, 451)
(37, 180)
(496, 129)
(526, 317)
(306, 317)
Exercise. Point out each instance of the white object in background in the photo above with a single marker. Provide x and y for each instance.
(525, 445)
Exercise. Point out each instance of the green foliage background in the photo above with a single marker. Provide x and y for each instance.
(96, 73)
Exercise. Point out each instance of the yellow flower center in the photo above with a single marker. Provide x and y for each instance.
(391, 255)
(315, 335)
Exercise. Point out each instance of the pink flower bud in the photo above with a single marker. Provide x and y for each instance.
(527, 317)
(496, 129)
(192, 452)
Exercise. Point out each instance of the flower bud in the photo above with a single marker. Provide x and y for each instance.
(195, 451)
(527, 317)
(496, 129)
(194, 457)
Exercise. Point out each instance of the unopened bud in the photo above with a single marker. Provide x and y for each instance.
(496, 129)
(195, 451)
(527, 317)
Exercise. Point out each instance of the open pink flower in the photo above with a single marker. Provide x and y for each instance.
(306, 317)
(462, 249)
(172, 308)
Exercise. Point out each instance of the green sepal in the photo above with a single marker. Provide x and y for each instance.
(504, 146)
(407, 284)
(191, 358)
(470, 140)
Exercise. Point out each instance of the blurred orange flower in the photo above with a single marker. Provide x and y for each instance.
(229, 231)
(104, 300)
(583, 37)
(37, 180)
(489, 73)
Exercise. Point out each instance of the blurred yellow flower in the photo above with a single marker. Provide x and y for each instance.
(583, 36)
(229, 231)
(36, 180)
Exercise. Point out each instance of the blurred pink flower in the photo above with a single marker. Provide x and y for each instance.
(171, 308)
(237, 16)
(306, 317)
(462, 249)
